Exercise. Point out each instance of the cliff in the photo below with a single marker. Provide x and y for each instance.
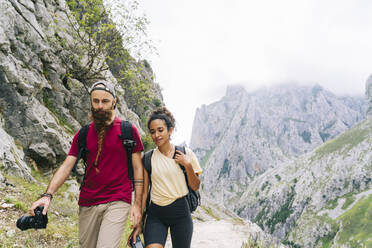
(321, 198)
(244, 134)
(41, 103)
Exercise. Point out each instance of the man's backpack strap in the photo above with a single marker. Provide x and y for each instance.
(82, 146)
(127, 138)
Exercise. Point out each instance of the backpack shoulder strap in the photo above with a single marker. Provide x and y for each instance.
(146, 160)
(183, 150)
(82, 146)
(129, 143)
(126, 130)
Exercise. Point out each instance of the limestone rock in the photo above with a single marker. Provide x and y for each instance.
(369, 95)
(244, 134)
(11, 158)
(42, 106)
(304, 200)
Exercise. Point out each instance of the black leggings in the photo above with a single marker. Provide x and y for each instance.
(175, 216)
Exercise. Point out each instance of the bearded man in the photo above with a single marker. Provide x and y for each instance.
(106, 192)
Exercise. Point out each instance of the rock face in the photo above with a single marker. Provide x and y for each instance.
(41, 106)
(320, 197)
(244, 134)
(369, 95)
(11, 157)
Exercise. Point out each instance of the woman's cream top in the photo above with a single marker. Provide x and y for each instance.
(168, 180)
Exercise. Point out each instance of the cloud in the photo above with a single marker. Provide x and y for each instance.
(205, 45)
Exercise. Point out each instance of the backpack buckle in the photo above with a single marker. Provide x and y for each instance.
(129, 143)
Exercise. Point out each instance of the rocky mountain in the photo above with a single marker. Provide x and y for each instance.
(41, 103)
(321, 199)
(249, 133)
(369, 95)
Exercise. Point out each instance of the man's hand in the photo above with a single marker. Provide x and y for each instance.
(135, 216)
(44, 202)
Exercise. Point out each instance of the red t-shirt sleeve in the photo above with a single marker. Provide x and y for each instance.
(74, 150)
(136, 137)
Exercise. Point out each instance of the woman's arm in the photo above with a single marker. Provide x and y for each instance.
(192, 177)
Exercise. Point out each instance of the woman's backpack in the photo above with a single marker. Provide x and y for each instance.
(193, 197)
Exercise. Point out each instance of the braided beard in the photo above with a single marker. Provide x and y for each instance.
(103, 122)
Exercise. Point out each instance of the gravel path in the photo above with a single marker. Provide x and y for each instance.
(219, 234)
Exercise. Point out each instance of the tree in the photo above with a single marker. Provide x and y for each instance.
(99, 44)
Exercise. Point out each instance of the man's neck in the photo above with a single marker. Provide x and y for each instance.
(113, 117)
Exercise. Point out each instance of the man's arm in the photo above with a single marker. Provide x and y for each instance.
(57, 180)
(136, 213)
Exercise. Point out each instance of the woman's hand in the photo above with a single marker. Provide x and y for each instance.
(182, 159)
(133, 236)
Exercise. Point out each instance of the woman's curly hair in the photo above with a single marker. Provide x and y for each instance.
(162, 113)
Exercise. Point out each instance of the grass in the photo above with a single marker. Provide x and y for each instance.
(346, 141)
(349, 200)
(210, 212)
(257, 243)
(332, 204)
(357, 225)
(62, 229)
(60, 119)
(205, 159)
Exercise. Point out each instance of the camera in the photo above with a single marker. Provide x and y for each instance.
(38, 221)
(138, 243)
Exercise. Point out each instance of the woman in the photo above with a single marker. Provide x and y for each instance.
(168, 206)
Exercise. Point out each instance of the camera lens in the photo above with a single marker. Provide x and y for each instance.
(25, 222)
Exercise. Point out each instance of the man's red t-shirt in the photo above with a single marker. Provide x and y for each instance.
(112, 182)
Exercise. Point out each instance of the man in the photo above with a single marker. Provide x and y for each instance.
(105, 196)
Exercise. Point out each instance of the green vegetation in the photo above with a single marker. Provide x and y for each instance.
(254, 243)
(327, 240)
(345, 142)
(356, 224)
(147, 142)
(60, 119)
(278, 177)
(293, 119)
(324, 136)
(204, 159)
(291, 244)
(284, 212)
(62, 229)
(225, 169)
(99, 45)
(332, 204)
(266, 183)
(259, 218)
(210, 212)
(243, 121)
(306, 136)
(349, 200)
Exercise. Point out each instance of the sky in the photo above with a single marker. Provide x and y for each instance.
(203, 46)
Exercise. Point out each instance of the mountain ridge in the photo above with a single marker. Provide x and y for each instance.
(249, 133)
